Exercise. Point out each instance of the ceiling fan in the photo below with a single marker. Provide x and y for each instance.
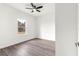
(34, 7)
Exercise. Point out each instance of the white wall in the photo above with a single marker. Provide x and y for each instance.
(46, 25)
(8, 26)
(66, 29)
(78, 26)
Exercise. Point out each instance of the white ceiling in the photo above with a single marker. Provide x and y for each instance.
(47, 8)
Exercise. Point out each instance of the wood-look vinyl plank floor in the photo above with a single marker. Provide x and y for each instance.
(35, 47)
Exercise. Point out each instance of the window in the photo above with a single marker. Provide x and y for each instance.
(21, 25)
